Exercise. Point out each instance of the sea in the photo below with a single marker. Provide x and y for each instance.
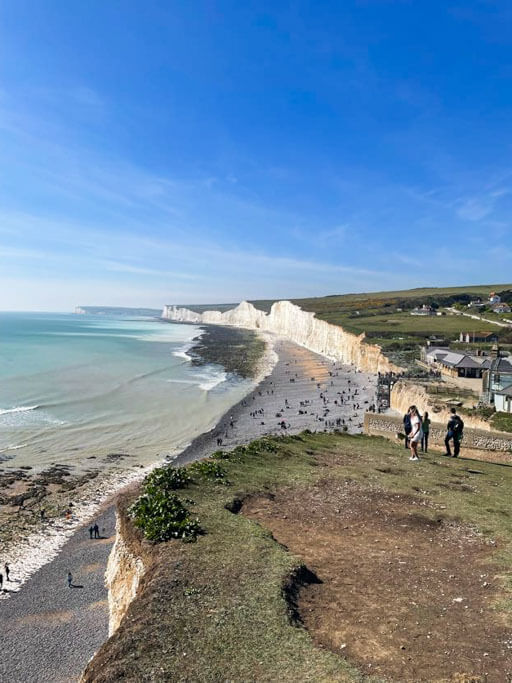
(75, 389)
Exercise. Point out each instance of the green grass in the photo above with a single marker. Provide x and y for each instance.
(502, 421)
(215, 611)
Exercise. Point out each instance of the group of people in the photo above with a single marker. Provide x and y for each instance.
(94, 531)
(417, 431)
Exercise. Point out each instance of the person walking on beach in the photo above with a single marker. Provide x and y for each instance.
(1, 581)
(91, 529)
(96, 531)
(416, 432)
(454, 430)
(7, 571)
(70, 579)
(425, 426)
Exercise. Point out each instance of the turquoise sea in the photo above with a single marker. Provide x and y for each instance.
(76, 386)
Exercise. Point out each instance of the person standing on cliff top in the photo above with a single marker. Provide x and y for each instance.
(454, 430)
(416, 433)
(426, 430)
(407, 427)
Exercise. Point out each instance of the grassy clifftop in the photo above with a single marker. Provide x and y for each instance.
(326, 558)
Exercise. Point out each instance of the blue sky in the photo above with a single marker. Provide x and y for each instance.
(187, 152)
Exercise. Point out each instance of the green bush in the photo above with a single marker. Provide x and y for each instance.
(162, 516)
(221, 455)
(167, 478)
(209, 469)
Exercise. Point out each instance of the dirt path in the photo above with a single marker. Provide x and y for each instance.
(400, 595)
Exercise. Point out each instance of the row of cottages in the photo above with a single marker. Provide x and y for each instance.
(494, 370)
(497, 305)
(454, 363)
(494, 301)
(459, 364)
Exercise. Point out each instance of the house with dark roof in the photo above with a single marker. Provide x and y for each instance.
(454, 363)
(478, 337)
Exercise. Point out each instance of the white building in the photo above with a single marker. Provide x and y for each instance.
(503, 400)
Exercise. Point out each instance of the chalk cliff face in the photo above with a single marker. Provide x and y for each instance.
(124, 572)
(302, 327)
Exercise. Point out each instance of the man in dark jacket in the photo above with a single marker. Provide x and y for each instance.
(407, 427)
(454, 430)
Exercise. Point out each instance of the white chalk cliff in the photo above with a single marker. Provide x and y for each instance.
(302, 327)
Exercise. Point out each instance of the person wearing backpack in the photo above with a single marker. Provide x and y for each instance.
(454, 430)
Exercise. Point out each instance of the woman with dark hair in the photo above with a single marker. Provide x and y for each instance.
(416, 432)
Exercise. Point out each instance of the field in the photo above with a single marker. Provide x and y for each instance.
(326, 558)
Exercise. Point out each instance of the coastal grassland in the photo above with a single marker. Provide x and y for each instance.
(502, 421)
(228, 607)
(239, 351)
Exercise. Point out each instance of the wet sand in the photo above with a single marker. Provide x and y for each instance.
(49, 631)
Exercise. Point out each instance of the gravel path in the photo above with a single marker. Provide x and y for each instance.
(49, 632)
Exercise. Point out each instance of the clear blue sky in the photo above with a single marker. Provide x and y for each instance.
(164, 151)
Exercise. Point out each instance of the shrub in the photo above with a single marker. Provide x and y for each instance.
(162, 516)
(221, 455)
(209, 469)
(167, 478)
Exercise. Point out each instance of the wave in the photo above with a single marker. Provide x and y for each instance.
(17, 409)
(15, 447)
(182, 354)
(212, 380)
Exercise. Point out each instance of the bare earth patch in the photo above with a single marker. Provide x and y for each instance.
(405, 593)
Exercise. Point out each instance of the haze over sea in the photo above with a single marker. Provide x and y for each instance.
(72, 387)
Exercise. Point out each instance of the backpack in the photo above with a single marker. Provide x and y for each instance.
(407, 423)
(458, 425)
